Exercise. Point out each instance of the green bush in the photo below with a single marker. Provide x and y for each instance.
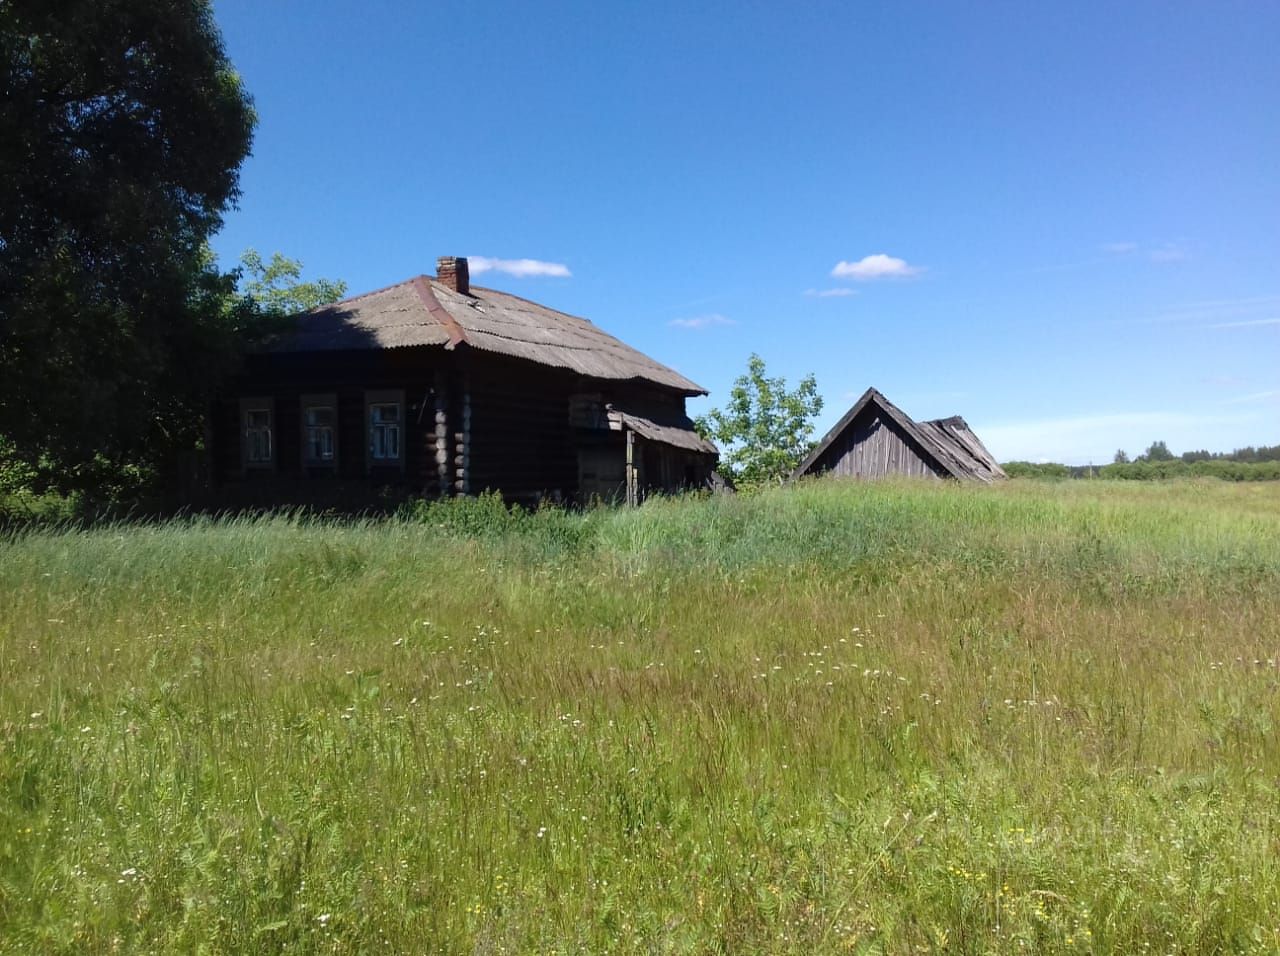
(1030, 469)
(1177, 468)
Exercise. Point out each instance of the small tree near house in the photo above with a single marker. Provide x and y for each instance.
(766, 429)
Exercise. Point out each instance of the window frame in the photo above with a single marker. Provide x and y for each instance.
(314, 401)
(376, 399)
(249, 406)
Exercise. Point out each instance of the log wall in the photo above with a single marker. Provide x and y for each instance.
(471, 422)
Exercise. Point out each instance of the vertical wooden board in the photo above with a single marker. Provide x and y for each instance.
(874, 447)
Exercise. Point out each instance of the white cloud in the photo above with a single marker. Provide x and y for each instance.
(829, 293)
(1246, 324)
(520, 268)
(878, 266)
(702, 321)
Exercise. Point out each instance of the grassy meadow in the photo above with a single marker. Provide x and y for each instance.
(859, 718)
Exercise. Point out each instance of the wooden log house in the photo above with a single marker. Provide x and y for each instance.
(436, 387)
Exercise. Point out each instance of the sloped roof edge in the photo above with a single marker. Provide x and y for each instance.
(949, 442)
(899, 417)
(423, 312)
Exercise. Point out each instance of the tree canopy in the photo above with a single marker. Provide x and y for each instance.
(766, 429)
(122, 130)
(277, 287)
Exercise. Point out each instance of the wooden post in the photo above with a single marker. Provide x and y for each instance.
(633, 495)
(442, 434)
(462, 443)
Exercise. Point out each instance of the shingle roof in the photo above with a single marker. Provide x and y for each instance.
(424, 312)
(674, 428)
(948, 441)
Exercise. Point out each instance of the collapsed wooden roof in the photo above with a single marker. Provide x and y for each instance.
(425, 312)
(949, 442)
(955, 434)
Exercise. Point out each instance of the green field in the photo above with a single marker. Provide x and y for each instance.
(832, 718)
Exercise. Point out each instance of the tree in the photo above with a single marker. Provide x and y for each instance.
(1158, 451)
(276, 286)
(1121, 457)
(765, 430)
(122, 129)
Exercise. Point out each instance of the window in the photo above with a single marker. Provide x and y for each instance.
(385, 435)
(319, 446)
(384, 431)
(257, 435)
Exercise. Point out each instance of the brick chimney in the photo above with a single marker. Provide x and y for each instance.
(452, 272)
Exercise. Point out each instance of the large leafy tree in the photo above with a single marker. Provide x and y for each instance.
(766, 429)
(122, 129)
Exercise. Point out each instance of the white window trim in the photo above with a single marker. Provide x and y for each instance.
(259, 404)
(322, 400)
(384, 397)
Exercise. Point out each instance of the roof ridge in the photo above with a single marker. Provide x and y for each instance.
(609, 336)
(520, 298)
(559, 345)
(457, 335)
(363, 295)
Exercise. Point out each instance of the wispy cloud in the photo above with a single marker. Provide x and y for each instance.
(694, 303)
(1169, 252)
(1245, 324)
(702, 321)
(1119, 248)
(1224, 381)
(1256, 398)
(1214, 313)
(877, 266)
(1161, 252)
(835, 293)
(1214, 308)
(520, 268)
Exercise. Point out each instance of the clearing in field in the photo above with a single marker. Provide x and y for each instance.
(836, 717)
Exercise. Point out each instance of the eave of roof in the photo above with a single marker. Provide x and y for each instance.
(671, 429)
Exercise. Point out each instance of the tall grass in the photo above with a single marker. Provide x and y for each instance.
(864, 718)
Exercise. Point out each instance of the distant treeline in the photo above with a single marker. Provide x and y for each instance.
(1243, 464)
(1150, 470)
(1250, 455)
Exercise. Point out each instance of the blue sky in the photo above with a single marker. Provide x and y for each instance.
(1061, 221)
